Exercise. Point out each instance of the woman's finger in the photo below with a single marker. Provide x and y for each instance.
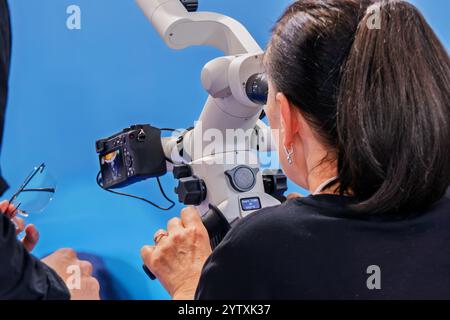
(31, 237)
(160, 234)
(173, 225)
(19, 223)
(8, 209)
(191, 217)
(146, 253)
(86, 268)
(4, 206)
(11, 211)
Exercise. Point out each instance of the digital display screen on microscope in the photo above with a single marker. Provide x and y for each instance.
(249, 204)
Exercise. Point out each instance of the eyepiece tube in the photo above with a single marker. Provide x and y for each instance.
(257, 88)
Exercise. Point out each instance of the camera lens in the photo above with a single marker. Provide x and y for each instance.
(257, 88)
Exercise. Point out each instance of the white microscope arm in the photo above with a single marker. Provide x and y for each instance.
(181, 29)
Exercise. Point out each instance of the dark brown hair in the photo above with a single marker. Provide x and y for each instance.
(379, 98)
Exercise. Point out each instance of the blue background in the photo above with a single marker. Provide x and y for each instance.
(71, 87)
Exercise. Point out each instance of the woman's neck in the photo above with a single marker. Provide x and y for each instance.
(321, 172)
(319, 161)
(323, 185)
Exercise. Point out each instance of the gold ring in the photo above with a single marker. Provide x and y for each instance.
(159, 235)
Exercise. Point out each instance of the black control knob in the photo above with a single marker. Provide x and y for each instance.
(129, 161)
(275, 183)
(190, 5)
(191, 191)
(181, 171)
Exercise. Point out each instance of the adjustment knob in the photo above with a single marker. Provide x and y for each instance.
(190, 5)
(242, 178)
(181, 171)
(191, 191)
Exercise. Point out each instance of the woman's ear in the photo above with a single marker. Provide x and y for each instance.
(289, 120)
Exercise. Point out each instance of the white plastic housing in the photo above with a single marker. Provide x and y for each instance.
(181, 29)
(227, 107)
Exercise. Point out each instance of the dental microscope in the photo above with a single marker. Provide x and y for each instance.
(224, 179)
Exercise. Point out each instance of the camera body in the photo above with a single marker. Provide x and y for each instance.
(132, 155)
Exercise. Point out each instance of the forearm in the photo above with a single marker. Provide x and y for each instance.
(23, 276)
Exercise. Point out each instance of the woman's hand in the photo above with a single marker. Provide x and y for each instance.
(86, 287)
(180, 252)
(31, 237)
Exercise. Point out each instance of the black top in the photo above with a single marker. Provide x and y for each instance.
(316, 248)
(5, 53)
(23, 276)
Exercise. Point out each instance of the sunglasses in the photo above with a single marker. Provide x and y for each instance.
(35, 192)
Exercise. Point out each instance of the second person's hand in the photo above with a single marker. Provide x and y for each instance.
(31, 237)
(63, 261)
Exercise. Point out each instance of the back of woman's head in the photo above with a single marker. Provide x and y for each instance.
(372, 79)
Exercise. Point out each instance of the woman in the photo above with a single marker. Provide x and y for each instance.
(363, 115)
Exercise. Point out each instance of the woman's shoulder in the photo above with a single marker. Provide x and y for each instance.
(295, 211)
(279, 219)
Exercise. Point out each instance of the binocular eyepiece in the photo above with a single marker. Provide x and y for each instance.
(257, 88)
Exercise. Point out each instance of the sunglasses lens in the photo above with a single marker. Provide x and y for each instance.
(37, 194)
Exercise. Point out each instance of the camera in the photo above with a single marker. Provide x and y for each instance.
(132, 155)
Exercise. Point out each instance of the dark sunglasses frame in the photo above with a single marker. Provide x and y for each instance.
(23, 187)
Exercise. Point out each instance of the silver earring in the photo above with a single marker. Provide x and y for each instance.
(289, 154)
